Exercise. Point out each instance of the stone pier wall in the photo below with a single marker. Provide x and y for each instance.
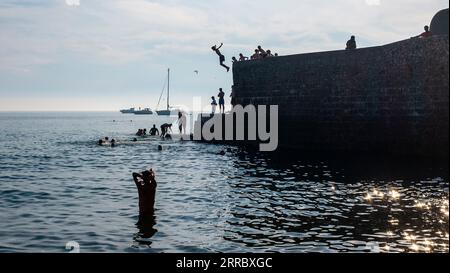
(391, 99)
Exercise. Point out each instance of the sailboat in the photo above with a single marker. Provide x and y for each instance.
(168, 111)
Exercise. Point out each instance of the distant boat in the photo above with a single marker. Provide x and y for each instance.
(169, 111)
(128, 111)
(145, 111)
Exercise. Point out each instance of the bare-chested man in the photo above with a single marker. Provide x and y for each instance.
(146, 185)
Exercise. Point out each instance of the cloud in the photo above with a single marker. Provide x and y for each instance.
(72, 2)
(373, 2)
(43, 40)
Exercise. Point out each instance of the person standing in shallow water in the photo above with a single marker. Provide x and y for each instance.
(181, 122)
(146, 186)
(221, 101)
(154, 131)
(221, 56)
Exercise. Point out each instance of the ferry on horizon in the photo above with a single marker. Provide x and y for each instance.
(145, 111)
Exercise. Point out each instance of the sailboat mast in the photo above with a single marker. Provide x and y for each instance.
(168, 88)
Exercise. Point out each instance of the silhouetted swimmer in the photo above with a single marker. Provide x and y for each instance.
(160, 148)
(113, 143)
(135, 140)
(154, 131)
(222, 152)
(107, 138)
(146, 186)
(221, 56)
(100, 142)
(168, 137)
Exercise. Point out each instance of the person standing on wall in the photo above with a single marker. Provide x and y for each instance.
(213, 105)
(221, 101)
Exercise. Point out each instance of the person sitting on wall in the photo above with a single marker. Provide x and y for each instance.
(256, 56)
(269, 53)
(351, 44)
(242, 57)
(234, 60)
(427, 33)
(262, 52)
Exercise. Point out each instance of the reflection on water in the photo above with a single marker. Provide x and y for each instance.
(308, 205)
(146, 229)
(57, 186)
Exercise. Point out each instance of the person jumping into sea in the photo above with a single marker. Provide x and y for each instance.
(221, 57)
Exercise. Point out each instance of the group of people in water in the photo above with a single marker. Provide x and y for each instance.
(105, 141)
(164, 132)
(152, 132)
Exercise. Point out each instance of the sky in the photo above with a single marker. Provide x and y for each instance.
(106, 55)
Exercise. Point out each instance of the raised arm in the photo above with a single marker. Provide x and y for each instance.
(220, 46)
(136, 177)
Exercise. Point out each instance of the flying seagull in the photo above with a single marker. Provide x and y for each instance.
(196, 72)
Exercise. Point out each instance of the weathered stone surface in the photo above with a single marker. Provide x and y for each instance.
(390, 99)
(439, 24)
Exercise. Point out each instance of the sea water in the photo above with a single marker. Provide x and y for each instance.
(57, 186)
